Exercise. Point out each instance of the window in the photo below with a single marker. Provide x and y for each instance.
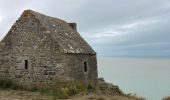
(85, 66)
(26, 64)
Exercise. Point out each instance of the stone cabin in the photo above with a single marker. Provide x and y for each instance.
(39, 48)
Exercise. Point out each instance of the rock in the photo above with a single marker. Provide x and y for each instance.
(101, 79)
(109, 88)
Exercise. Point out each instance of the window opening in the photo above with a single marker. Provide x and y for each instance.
(85, 66)
(26, 64)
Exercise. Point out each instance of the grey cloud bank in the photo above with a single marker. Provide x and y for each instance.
(112, 27)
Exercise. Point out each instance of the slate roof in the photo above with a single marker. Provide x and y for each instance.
(68, 39)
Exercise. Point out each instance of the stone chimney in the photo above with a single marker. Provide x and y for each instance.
(73, 26)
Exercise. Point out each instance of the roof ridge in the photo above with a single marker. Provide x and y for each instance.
(29, 11)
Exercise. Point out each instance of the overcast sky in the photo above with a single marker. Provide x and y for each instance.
(111, 27)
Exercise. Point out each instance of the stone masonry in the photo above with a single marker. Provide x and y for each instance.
(39, 48)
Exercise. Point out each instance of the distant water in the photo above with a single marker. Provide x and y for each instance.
(149, 78)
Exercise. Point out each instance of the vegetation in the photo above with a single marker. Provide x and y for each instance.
(59, 90)
(8, 84)
(166, 98)
(56, 89)
(135, 96)
(66, 90)
(100, 98)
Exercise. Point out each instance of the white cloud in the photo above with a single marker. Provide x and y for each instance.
(139, 23)
(125, 23)
(0, 18)
(120, 30)
(107, 34)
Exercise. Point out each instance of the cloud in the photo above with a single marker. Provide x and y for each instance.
(118, 30)
(112, 27)
(139, 23)
(106, 34)
(0, 18)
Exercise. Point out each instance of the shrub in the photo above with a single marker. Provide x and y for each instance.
(57, 90)
(65, 90)
(9, 84)
(73, 91)
(56, 93)
(90, 88)
(166, 98)
(34, 87)
(101, 98)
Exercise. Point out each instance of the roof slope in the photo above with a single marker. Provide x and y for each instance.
(68, 39)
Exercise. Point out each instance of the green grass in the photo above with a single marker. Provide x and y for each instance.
(9, 84)
(57, 90)
(65, 90)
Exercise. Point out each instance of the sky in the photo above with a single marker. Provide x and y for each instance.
(126, 28)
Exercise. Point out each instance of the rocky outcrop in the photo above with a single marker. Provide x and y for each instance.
(109, 88)
(166, 98)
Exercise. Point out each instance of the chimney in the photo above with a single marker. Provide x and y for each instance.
(73, 26)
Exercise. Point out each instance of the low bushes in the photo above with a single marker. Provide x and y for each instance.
(57, 90)
(9, 84)
(65, 90)
(166, 98)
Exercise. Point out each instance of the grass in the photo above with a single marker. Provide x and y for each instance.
(166, 98)
(57, 90)
(101, 98)
(9, 84)
(65, 90)
(135, 96)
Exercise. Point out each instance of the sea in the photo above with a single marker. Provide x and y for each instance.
(146, 77)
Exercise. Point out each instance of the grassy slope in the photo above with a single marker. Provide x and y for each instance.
(25, 95)
(79, 90)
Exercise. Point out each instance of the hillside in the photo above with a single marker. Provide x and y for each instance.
(25, 95)
(67, 91)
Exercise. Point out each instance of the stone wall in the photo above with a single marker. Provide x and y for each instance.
(64, 67)
(77, 70)
(28, 54)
